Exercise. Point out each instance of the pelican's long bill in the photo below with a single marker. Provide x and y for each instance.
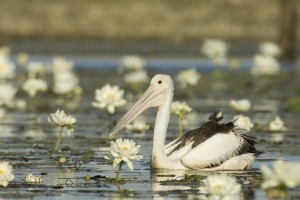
(149, 99)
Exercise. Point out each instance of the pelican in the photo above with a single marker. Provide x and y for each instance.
(212, 146)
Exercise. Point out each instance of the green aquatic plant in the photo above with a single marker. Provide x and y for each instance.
(293, 104)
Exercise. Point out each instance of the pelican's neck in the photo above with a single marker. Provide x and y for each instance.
(159, 157)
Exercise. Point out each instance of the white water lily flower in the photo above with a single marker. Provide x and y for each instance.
(32, 86)
(61, 119)
(216, 50)
(132, 63)
(243, 122)
(136, 77)
(178, 108)
(109, 97)
(22, 58)
(265, 65)
(188, 77)
(124, 151)
(270, 49)
(35, 69)
(20, 104)
(276, 124)
(242, 105)
(221, 186)
(138, 125)
(65, 83)
(61, 65)
(284, 173)
(6, 173)
(7, 94)
(33, 179)
(7, 68)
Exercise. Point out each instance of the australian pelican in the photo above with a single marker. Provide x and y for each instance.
(212, 146)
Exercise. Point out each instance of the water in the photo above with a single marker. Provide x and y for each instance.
(28, 139)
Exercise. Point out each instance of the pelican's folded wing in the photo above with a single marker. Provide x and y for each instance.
(211, 145)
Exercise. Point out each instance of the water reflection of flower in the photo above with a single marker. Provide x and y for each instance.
(243, 122)
(221, 186)
(242, 105)
(6, 173)
(188, 77)
(276, 124)
(109, 97)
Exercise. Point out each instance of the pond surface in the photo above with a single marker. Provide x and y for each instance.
(28, 139)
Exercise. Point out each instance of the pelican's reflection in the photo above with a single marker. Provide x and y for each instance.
(165, 180)
(169, 180)
(62, 177)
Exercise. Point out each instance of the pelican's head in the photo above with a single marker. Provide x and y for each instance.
(159, 90)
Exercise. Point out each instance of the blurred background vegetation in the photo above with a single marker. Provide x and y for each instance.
(58, 25)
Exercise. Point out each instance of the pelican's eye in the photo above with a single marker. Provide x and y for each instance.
(159, 82)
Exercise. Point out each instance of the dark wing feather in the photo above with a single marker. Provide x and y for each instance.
(209, 129)
(201, 134)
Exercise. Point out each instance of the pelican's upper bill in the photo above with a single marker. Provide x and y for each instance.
(151, 98)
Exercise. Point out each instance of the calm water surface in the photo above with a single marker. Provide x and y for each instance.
(28, 140)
